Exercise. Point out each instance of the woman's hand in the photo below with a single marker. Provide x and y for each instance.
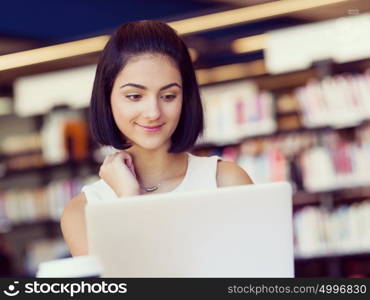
(118, 172)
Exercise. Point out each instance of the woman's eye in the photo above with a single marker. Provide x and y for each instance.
(133, 97)
(168, 97)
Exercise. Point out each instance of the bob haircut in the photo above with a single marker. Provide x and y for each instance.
(129, 40)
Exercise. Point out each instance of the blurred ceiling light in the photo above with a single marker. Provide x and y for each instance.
(186, 26)
(246, 14)
(249, 44)
(50, 53)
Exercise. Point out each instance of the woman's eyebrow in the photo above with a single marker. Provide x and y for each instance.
(144, 88)
(170, 85)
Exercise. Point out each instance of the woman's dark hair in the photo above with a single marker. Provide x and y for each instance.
(133, 39)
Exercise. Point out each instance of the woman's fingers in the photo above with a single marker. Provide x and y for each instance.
(109, 158)
(127, 159)
(118, 172)
(121, 156)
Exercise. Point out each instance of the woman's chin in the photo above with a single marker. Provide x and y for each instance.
(150, 145)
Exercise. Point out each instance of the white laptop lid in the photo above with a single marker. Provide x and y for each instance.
(238, 231)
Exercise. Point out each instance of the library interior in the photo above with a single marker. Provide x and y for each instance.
(285, 88)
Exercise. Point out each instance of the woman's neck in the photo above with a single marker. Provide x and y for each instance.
(152, 167)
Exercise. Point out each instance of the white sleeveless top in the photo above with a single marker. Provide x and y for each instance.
(200, 174)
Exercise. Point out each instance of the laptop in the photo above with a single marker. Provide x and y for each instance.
(237, 231)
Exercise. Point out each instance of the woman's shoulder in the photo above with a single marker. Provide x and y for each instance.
(97, 190)
(230, 173)
(72, 223)
(227, 173)
(95, 183)
(205, 158)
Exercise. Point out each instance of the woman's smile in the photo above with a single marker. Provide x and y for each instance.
(150, 128)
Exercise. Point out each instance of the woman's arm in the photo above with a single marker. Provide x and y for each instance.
(73, 225)
(229, 173)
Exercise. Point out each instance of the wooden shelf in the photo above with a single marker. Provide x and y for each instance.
(301, 198)
(31, 225)
(48, 168)
(284, 81)
(354, 255)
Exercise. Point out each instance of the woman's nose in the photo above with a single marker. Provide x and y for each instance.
(152, 109)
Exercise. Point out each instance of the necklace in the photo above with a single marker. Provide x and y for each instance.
(151, 188)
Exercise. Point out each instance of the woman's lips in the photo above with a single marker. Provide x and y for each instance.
(151, 128)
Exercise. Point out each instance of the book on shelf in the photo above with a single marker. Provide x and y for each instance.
(6, 106)
(43, 250)
(341, 231)
(64, 136)
(25, 206)
(11, 145)
(338, 101)
(234, 111)
(322, 161)
(337, 163)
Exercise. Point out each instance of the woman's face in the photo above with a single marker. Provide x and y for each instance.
(146, 100)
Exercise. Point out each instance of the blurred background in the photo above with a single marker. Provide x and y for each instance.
(286, 92)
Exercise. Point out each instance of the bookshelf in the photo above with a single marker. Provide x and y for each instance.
(335, 265)
(71, 165)
(20, 240)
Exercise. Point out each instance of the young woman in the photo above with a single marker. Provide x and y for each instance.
(145, 103)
